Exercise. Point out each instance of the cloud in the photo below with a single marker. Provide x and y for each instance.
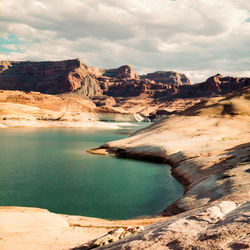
(197, 37)
(10, 46)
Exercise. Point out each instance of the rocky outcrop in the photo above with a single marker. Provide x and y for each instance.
(123, 72)
(110, 237)
(170, 86)
(72, 76)
(224, 225)
(35, 109)
(104, 101)
(135, 87)
(48, 77)
(124, 82)
(214, 86)
(168, 77)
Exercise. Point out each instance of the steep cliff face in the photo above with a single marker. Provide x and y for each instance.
(48, 77)
(125, 71)
(124, 82)
(75, 77)
(135, 87)
(168, 77)
(214, 86)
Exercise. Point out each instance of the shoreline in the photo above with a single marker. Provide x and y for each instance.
(81, 230)
(209, 154)
(67, 124)
(136, 147)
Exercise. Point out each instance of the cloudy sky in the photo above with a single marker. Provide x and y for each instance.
(197, 37)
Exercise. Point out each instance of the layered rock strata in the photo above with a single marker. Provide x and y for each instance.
(72, 76)
(168, 77)
(125, 71)
(48, 77)
(214, 86)
(34, 109)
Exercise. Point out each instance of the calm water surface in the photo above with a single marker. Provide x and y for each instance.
(48, 168)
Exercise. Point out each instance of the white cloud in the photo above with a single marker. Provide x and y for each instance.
(10, 46)
(197, 37)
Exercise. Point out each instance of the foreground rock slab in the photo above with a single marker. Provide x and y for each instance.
(23, 228)
(220, 226)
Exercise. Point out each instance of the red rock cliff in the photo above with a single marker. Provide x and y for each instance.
(48, 77)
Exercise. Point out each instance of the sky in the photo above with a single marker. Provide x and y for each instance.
(197, 37)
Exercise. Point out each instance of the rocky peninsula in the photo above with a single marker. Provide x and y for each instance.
(208, 148)
(202, 132)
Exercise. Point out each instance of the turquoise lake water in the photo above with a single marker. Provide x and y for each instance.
(49, 168)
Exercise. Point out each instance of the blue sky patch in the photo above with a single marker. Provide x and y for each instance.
(12, 43)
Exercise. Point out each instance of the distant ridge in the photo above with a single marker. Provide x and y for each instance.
(72, 76)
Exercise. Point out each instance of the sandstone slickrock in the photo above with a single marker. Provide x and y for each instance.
(224, 225)
(35, 109)
(208, 148)
(23, 228)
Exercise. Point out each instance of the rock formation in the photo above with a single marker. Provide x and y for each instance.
(48, 77)
(154, 96)
(72, 76)
(35, 109)
(214, 86)
(168, 77)
(125, 71)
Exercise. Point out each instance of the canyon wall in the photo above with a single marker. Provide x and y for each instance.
(48, 77)
(72, 76)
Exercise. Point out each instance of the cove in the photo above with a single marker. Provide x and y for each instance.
(49, 168)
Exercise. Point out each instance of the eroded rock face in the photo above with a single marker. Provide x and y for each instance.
(168, 77)
(125, 71)
(124, 82)
(214, 86)
(135, 87)
(73, 76)
(48, 77)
